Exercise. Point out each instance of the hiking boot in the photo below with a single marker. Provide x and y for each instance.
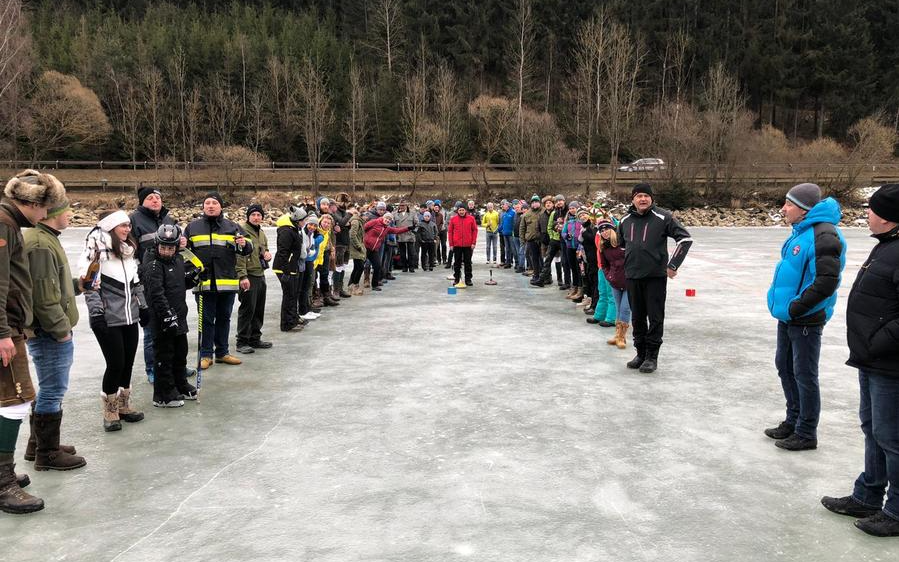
(636, 362)
(782, 431)
(648, 366)
(126, 411)
(536, 283)
(111, 421)
(12, 498)
(879, 525)
(49, 455)
(797, 443)
(297, 328)
(621, 343)
(205, 363)
(261, 344)
(228, 360)
(343, 294)
(331, 301)
(606, 324)
(849, 506)
(614, 339)
(245, 348)
(592, 320)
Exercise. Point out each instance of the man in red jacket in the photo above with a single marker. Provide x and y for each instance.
(463, 235)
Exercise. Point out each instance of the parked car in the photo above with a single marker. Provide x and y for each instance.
(643, 165)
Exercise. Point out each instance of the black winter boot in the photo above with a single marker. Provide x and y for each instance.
(638, 360)
(49, 455)
(650, 364)
(30, 448)
(12, 498)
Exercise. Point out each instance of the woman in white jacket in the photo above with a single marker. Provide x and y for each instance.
(115, 303)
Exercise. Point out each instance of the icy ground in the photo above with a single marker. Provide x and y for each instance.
(494, 425)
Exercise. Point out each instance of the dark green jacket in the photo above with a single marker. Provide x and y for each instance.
(251, 265)
(54, 289)
(530, 226)
(15, 280)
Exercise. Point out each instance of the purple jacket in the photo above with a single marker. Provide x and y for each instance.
(571, 232)
(613, 267)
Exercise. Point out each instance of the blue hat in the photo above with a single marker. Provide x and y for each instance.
(438, 202)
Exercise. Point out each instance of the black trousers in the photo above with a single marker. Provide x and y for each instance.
(462, 257)
(427, 254)
(251, 312)
(574, 267)
(534, 257)
(171, 361)
(323, 285)
(305, 281)
(554, 249)
(566, 266)
(118, 344)
(290, 295)
(441, 247)
(407, 255)
(590, 281)
(647, 299)
(502, 248)
(356, 275)
(375, 260)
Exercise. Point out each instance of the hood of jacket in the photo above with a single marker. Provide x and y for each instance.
(826, 211)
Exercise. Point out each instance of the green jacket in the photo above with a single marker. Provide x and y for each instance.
(357, 234)
(54, 289)
(551, 227)
(252, 265)
(529, 229)
(15, 281)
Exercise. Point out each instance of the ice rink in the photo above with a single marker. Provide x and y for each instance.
(493, 425)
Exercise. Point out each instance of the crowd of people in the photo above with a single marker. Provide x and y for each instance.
(136, 269)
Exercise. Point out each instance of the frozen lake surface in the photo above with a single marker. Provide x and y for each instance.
(494, 425)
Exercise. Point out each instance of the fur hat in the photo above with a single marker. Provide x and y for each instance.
(343, 199)
(31, 186)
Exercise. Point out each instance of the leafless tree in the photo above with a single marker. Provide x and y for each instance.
(15, 65)
(495, 116)
(620, 91)
(177, 70)
(64, 114)
(223, 110)
(153, 98)
(257, 122)
(355, 124)
(520, 54)
(419, 130)
(284, 94)
(388, 31)
(127, 112)
(316, 114)
(585, 84)
(449, 116)
(723, 106)
(193, 120)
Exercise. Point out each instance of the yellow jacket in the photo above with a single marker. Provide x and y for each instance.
(320, 258)
(490, 221)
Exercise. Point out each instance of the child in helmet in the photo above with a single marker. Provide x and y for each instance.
(166, 279)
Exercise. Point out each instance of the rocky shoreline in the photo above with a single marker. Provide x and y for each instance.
(705, 216)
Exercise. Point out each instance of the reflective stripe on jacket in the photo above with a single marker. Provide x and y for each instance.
(213, 240)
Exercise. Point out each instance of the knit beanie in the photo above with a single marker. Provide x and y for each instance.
(642, 188)
(58, 209)
(805, 195)
(885, 202)
(145, 192)
(255, 208)
(426, 215)
(215, 195)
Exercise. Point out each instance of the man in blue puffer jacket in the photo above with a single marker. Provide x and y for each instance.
(802, 297)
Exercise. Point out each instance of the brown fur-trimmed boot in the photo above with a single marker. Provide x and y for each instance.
(622, 336)
(614, 339)
(111, 421)
(50, 455)
(126, 408)
(366, 279)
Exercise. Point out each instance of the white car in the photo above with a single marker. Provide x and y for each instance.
(643, 165)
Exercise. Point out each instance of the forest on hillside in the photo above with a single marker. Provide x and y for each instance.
(531, 83)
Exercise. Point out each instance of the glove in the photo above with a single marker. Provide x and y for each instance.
(192, 277)
(143, 317)
(169, 322)
(98, 324)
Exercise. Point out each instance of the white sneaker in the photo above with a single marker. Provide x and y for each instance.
(310, 316)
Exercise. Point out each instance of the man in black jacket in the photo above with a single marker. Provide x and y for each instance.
(872, 322)
(643, 233)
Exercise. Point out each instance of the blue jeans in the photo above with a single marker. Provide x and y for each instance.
(516, 251)
(798, 351)
(149, 354)
(216, 322)
(52, 361)
(506, 241)
(522, 250)
(621, 304)
(880, 423)
(491, 245)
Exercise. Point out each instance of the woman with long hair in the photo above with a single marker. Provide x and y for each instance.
(115, 303)
(613, 270)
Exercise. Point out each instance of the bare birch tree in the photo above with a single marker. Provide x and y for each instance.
(127, 113)
(620, 91)
(257, 122)
(388, 31)
(723, 106)
(223, 110)
(315, 115)
(419, 131)
(523, 28)
(177, 70)
(449, 117)
(495, 116)
(585, 85)
(355, 124)
(152, 92)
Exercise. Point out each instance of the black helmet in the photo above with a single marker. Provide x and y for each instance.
(168, 235)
